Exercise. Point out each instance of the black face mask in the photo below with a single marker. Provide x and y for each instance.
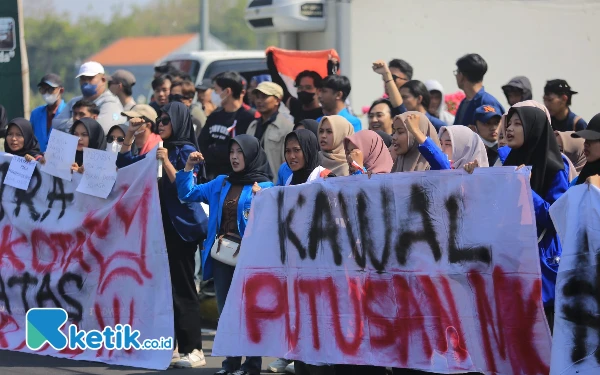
(306, 97)
(175, 98)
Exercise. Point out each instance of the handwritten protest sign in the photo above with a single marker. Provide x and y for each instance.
(436, 270)
(60, 155)
(103, 261)
(99, 173)
(575, 348)
(19, 173)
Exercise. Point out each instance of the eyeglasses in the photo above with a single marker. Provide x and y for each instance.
(46, 90)
(111, 139)
(395, 77)
(164, 120)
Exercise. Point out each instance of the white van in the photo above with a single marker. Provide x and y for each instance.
(207, 64)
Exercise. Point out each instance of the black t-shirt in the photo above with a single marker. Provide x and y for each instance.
(215, 136)
(300, 114)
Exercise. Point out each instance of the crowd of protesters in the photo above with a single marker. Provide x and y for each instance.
(225, 139)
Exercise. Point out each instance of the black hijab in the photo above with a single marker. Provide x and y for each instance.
(96, 134)
(257, 166)
(310, 149)
(540, 149)
(183, 128)
(387, 139)
(309, 124)
(30, 145)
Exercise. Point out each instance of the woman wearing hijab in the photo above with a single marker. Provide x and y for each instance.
(185, 225)
(532, 142)
(21, 141)
(591, 145)
(115, 138)
(367, 153)
(91, 135)
(332, 132)
(572, 148)
(460, 147)
(230, 197)
(285, 172)
(405, 149)
(302, 155)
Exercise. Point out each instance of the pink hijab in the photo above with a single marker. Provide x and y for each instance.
(377, 158)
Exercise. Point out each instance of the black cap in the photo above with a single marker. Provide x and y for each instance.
(592, 132)
(559, 87)
(205, 84)
(52, 80)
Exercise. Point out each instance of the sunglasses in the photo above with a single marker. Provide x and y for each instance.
(111, 139)
(395, 77)
(164, 120)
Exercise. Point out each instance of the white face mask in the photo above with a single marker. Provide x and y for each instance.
(50, 98)
(113, 147)
(216, 98)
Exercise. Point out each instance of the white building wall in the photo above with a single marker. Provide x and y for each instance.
(541, 39)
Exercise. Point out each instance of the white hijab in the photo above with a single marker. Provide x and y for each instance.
(466, 146)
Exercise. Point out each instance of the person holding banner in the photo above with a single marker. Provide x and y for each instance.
(405, 149)
(21, 141)
(229, 197)
(332, 132)
(91, 135)
(302, 155)
(460, 147)
(366, 153)
(184, 226)
(532, 143)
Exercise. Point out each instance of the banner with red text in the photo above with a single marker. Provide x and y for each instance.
(436, 270)
(102, 260)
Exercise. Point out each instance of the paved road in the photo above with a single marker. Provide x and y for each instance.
(31, 364)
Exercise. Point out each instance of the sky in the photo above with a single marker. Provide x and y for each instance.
(77, 8)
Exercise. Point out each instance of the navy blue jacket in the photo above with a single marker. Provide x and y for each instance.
(465, 115)
(188, 219)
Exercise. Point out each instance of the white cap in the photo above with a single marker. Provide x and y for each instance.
(90, 69)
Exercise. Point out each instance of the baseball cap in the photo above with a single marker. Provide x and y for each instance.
(142, 110)
(205, 84)
(270, 88)
(558, 86)
(123, 76)
(486, 112)
(52, 80)
(592, 132)
(90, 69)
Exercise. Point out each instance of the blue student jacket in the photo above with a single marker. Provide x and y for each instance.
(434, 155)
(188, 219)
(284, 174)
(213, 193)
(38, 122)
(465, 115)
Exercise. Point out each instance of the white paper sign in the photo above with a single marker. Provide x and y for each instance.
(99, 172)
(19, 173)
(60, 155)
(576, 217)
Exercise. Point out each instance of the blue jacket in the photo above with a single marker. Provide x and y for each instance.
(434, 155)
(549, 247)
(38, 121)
(213, 193)
(188, 219)
(355, 121)
(465, 115)
(284, 174)
(399, 110)
(503, 153)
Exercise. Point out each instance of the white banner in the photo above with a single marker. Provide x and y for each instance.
(576, 345)
(436, 270)
(102, 260)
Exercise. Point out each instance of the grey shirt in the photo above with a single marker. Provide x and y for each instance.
(110, 113)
